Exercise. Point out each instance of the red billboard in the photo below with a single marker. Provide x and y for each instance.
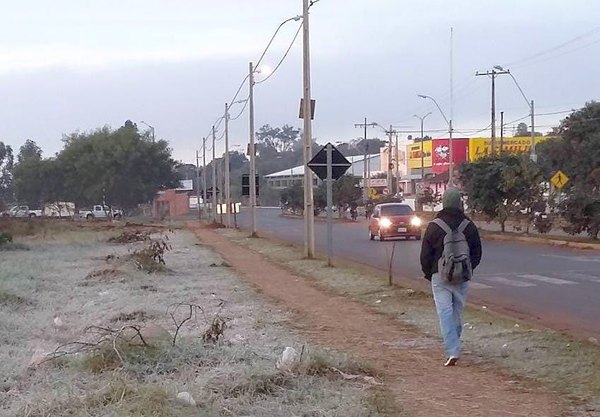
(441, 153)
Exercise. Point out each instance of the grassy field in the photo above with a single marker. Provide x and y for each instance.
(86, 330)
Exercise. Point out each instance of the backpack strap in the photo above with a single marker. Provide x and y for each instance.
(463, 225)
(443, 225)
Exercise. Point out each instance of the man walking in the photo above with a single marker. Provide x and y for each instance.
(451, 250)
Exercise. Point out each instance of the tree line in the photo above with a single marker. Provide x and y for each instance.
(122, 167)
(507, 186)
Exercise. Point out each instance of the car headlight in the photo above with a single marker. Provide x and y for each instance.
(415, 221)
(385, 223)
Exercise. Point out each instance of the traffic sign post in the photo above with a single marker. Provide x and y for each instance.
(329, 164)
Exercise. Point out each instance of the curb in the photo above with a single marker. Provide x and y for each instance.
(549, 242)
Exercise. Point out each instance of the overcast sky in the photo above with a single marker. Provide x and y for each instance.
(68, 65)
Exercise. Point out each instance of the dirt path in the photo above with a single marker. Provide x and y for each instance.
(412, 369)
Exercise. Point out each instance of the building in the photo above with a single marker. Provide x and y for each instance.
(173, 202)
(289, 177)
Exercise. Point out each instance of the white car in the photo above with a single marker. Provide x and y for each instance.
(22, 211)
(100, 212)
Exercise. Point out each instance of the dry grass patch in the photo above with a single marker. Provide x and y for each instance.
(560, 362)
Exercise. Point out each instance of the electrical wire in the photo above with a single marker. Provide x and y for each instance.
(550, 50)
(242, 111)
(284, 56)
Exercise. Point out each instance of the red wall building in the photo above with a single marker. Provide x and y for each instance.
(440, 153)
(170, 203)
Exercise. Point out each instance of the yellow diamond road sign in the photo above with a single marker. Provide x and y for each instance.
(559, 179)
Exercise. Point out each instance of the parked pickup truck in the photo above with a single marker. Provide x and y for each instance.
(100, 212)
(22, 211)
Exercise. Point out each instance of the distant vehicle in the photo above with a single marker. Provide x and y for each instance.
(22, 211)
(59, 209)
(391, 220)
(100, 212)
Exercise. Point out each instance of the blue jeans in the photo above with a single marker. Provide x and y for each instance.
(450, 301)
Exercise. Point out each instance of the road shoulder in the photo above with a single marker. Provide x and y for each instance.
(410, 361)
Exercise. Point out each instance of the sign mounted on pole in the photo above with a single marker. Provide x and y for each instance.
(559, 179)
(339, 163)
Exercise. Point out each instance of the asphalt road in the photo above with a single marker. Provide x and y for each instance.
(558, 288)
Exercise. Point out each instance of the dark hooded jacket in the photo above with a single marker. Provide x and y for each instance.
(433, 241)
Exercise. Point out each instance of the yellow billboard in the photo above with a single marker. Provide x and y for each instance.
(414, 154)
(480, 147)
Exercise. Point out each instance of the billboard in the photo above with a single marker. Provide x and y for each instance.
(441, 153)
(480, 147)
(414, 154)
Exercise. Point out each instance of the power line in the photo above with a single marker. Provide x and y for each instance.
(242, 111)
(284, 56)
(533, 57)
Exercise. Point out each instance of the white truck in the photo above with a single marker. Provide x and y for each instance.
(22, 211)
(99, 211)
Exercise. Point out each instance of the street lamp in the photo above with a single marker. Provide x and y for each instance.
(530, 104)
(422, 140)
(151, 129)
(450, 143)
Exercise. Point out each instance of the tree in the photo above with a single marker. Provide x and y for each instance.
(501, 186)
(576, 152)
(28, 174)
(6, 174)
(119, 166)
(278, 139)
(522, 131)
(293, 197)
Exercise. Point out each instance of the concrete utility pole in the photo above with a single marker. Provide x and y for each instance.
(227, 179)
(390, 159)
(309, 220)
(204, 175)
(531, 109)
(450, 141)
(214, 177)
(252, 178)
(397, 165)
(422, 119)
(492, 74)
(366, 165)
(501, 131)
(198, 183)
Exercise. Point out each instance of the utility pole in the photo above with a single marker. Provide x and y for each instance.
(227, 186)
(397, 165)
(204, 175)
(533, 153)
(252, 153)
(214, 177)
(390, 164)
(366, 165)
(309, 220)
(501, 131)
(422, 119)
(493, 73)
(198, 183)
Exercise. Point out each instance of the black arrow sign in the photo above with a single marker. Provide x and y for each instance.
(339, 163)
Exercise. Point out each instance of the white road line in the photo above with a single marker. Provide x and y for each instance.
(479, 286)
(583, 277)
(510, 282)
(547, 280)
(575, 258)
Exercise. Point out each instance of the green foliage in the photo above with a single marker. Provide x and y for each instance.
(576, 152)
(504, 185)
(121, 167)
(293, 197)
(5, 238)
(6, 175)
